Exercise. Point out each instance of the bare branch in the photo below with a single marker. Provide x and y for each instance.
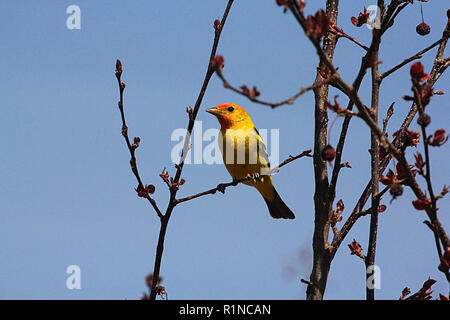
(179, 166)
(319, 274)
(273, 105)
(365, 63)
(340, 33)
(416, 56)
(132, 147)
(436, 73)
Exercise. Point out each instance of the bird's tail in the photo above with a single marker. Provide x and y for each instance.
(277, 207)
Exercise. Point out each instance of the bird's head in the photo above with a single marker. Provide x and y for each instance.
(231, 115)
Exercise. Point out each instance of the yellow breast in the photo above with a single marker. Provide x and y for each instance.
(243, 152)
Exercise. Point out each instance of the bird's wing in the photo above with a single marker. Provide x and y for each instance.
(263, 156)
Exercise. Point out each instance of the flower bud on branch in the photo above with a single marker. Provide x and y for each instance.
(438, 139)
(362, 19)
(217, 63)
(317, 25)
(355, 249)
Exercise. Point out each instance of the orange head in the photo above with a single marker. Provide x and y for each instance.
(231, 115)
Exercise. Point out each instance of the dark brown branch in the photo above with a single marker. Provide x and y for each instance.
(365, 63)
(309, 283)
(387, 144)
(423, 293)
(209, 72)
(432, 210)
(358, 209)
(273, 105)
(323, 202)
(427, 176)
(341, 34)
(192, 116)
(379, 195)
(367, 117)
(356, 213)
(221, 187)
(378, 135)
(418, 55)
(131, 148)
(441, 49)
(322, 205)
(439, 230)
(344, 35)
(375, 162)
(389, 114)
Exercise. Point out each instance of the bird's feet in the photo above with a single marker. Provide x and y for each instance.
(255, 177)
(221, 187)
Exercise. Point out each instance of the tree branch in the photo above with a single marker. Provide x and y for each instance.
(375, 162)
(416, 56)
(365, 63)
(222, 186)
(273, 105)
(132, 147)
(322, 205)
(179, 166)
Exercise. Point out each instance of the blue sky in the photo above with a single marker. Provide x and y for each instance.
(67, 194)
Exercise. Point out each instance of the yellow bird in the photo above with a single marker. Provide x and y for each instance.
(244, 153)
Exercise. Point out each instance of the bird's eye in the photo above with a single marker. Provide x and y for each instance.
(230, 109)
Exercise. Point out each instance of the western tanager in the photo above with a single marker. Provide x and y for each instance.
(244, 153)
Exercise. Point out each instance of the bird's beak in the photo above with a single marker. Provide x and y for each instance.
(214, 111)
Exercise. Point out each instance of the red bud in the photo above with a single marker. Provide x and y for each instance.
(439, 138)
(150, 189)
(328, 153)
(118, 68)
(420, 204)
(149, 280)
(396, 190)
(424, 120)
(405, 292)
(217, 63)
(217, 24)
(363, 18)
(355, 248)
(417, 72)
(318, 24)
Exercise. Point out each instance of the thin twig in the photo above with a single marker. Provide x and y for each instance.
(432, 210)
(389, 114)
(273, 105)
(365, 62)
(378, 196)
(416, 56)
(179, 166)
(344, 35)
(131, 148)
(436, 72)
(341, 34)
(222, 186)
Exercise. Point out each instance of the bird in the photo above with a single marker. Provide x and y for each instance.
(238, 136)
